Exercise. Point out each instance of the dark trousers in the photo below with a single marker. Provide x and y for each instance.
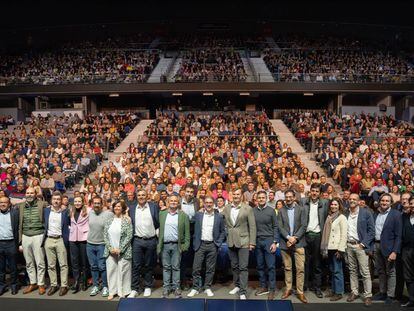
(408, 260)
(78, 259)
(313, 260)
(144, 258)
(239, 258)
(187, 259)
(208, 253)
(400, 282)
(265, 263)
(8, 252)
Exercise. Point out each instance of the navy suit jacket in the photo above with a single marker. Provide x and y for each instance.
(219, 233)
(366, 229)
(154, 210)
(391, 233)
(65, 225)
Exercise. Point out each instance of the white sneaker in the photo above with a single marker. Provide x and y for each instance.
(209, 292)
(234, 291)
(243, 297)
(147, 292)
(133, 294)
(192, 293)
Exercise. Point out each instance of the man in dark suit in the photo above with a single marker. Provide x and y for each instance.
(388, 228)
(360, 240)
(55, 241)
(145, 221)
(292, 227)
(9, 243)
(209, 234)
(407, 251)
(316, 211)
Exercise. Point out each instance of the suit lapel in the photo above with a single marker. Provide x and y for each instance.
(238, 216)
(285, 217)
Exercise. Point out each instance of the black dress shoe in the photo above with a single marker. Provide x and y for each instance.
(14, 291)
(75, 287)
(409, 304)
(3, 290)
(318, 293)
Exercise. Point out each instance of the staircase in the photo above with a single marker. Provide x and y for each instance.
(161, 68)
(286, 136)
(271, 43)
(263, 73)
(155, 43)
(174, 69)
(246, 64)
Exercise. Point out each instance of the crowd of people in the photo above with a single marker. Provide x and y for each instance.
(351, 66)
(198, 186)
(54, 153)
(211, 65)
(78, 65)
(366, 154)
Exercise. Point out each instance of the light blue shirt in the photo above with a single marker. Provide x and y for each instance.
(6, 230)
(171, 228)
(291, 216)
(188, 208)
(379, 223)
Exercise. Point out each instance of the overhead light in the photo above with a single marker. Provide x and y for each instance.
(244, 94)
(177, 94)
(114, 95)
(208, 94)
(307, 94)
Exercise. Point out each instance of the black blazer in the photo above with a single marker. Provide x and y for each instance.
(391, 233)
(14, 217)
(322, 211)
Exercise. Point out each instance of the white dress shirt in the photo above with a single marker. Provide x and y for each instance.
(379, 223)
(313, 224)
(353, 226)
(207, 228)
(412, 220)
(234, 213)
(144, 226)
(55, 223)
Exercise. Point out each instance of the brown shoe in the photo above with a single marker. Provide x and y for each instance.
(352, 297)
(63, 291)
(30, 288)
(261, 291)
(42, 290)
(52, 290)
(286, 294)
(271, 295)
(335, 297)
(367, 301)
(302, 298)
(329, 294)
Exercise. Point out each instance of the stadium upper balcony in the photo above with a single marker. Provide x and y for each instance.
(288, 59)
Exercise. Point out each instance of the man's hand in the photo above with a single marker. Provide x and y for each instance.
(21, 249)
(251, 247)
(292, 240)
(392, 256)
(273, 248)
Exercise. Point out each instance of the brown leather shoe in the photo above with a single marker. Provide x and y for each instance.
(302, 298)
(367, 301)
(42, 290)
(352, 297)
(271, 295)
(63, 291)
(335, 297)
(30, 288)
(51, 291)
(286, 294)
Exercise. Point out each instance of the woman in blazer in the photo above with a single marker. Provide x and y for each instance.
(333, 246)
(118, 234)
(79, 228)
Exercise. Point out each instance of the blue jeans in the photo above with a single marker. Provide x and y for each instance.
(337, 274)
(265, 261)
(171, 259)
(97, 263)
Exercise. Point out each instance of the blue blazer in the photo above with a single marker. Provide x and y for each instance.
(366, 229)
(65, 225)
(391, 233)
(154, 210)
(219, 233)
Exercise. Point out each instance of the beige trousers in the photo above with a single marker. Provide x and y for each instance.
(299, 254)
(34, 256)
(56, 252)
(358, 258)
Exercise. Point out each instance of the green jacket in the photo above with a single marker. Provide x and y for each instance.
(183, 231)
